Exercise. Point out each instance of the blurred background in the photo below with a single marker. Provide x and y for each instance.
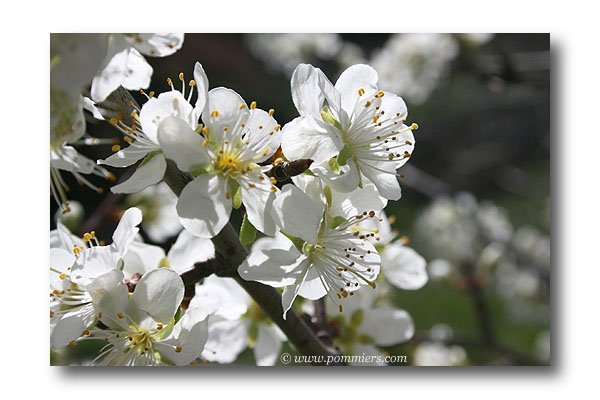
(476, 192)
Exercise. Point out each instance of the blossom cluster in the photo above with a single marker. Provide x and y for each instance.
(324, 232)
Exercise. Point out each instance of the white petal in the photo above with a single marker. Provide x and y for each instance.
(345, 181)
(387, 326)
(386, 182)
(167, 104)
(356, 77)
(303, 224)
(93, 263)
(182, 144)
(312, 288)
(128, 68)
(403, 267)
(137, 72)
(226, 340)
(306, 93)
(71, 325)
(222, 297)
(203, 207)
(277, 267)
(188, 250)
(223, 110)
(263, 138)
(290, 292)
(190, 333)
(126, 230)
(159, 293)
(109, 296)
(258, 201)
(158, 44)
(146, 175)
(70, 160)
(202, 89)
(128, 156)
(307, 137)
(357, 201)
(141, 258)
(267, 346)
(61, 259)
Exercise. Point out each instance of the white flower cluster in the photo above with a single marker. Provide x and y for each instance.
(325, 234)
(106, 61)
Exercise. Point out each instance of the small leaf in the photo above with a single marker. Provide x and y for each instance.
(299, 243)
(247, 231)
(237, 193)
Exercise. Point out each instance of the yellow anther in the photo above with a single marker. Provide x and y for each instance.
(86, 237)
(278, 160)
(405, 240)
(361, 91)
(159, 326)
(214, 113)
(181, 76)
(242, 106)
(414, 125)
(192, 83)
(228, 195)
(73, 343)
(252, 185)
(273, 189)
(341, 305)
(100, 314)
(277, 128)
(205, 130)
(368, 103)
(127, 139)
(392, 219)
(51, 313)
(273, 180)
(371, 214)
(116, 148)
(151, 94)
(169, 82)
(205, 143)
(120, 315)
(178, 349)
(401, 176)
(62, 276)
(375, 118)
(260, 127)
(271, 112)
(100, 190)
(253, 105)
(113, 121)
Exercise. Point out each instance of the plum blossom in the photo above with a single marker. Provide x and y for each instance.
(224, 159)
(353, 131)
(143, 328)
(75, 264)
(124, 64)
(318, 251)
(142, 133)
(235, 323)
(364, 325)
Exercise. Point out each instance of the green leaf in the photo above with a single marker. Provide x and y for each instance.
(247, 231)
(237, 193)
(328, 117)
(334, 166)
